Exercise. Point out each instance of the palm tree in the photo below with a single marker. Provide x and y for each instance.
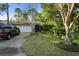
(18, 12)
(32, 12)
(5, 8)
(24, 16)
(20, 15)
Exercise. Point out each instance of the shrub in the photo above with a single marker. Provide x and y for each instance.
(58, 31)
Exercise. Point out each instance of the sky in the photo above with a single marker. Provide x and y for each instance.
(22, 6)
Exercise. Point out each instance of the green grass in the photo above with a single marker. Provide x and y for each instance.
(42, 45)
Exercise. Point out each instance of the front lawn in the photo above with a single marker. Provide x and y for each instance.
(42, 45)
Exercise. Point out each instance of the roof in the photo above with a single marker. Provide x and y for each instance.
(22, 23)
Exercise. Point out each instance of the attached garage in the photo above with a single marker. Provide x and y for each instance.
(25, 28)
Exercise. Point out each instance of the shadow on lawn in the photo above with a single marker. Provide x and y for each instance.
(73, 48)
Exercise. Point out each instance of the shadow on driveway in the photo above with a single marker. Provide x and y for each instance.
(8, 51)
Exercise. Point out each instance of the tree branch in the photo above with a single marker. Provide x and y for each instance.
(73, 22)
(70, 9)
(71, 25)
(61, 10)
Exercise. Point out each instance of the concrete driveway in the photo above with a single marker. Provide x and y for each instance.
(13, 47)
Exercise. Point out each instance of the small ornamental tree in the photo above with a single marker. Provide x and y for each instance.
(66, 17)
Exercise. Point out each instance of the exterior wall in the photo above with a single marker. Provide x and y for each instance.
(25, 28)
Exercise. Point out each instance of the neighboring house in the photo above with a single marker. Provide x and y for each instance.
(3, 21)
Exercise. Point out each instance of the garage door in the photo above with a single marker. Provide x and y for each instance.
(25, 28)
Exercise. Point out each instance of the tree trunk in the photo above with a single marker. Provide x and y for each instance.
(68, 39)
(33, 25)
(7, 14)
